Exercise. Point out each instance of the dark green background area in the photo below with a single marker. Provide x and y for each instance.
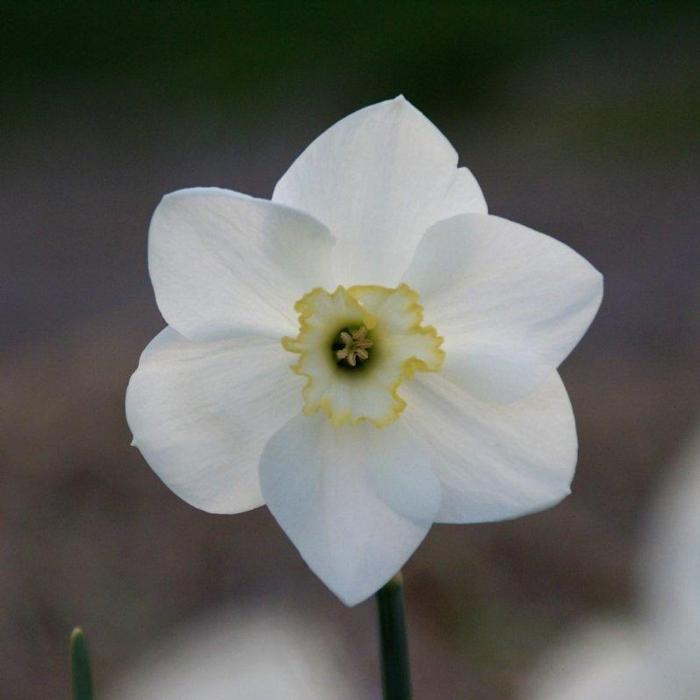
(252, 55)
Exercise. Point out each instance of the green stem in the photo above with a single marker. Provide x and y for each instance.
(396, 673)
(81, 677)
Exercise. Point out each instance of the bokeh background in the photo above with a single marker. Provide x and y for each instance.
(581, 120)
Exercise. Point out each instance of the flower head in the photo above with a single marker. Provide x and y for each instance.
(244, 653)
(654, 655)
(424, 337)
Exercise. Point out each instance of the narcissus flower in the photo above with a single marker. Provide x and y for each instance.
(243, 653)
(655, 655)
(423, 336)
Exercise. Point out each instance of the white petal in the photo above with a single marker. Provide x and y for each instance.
(201, 414)
(356, 501)
(510, 302)
(464, 196)
(378, 179)
(494, 461)
(224, 264)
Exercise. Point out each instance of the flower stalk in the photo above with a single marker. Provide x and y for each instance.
(81, 676)
(396, 673)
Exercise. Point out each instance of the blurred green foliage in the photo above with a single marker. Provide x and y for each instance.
(254, 54)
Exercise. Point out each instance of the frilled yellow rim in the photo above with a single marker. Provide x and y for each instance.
(400, 347)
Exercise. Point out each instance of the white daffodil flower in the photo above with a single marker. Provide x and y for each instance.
(244, 654)
(654, 657)
(423, 336)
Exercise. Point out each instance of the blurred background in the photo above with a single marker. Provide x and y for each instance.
(581, 120)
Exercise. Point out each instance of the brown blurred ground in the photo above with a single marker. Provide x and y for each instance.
(580, 145)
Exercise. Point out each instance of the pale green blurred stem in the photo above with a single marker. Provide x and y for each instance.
(81, 676)
(396, 672)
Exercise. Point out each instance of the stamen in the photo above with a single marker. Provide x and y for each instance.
(356, 345)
